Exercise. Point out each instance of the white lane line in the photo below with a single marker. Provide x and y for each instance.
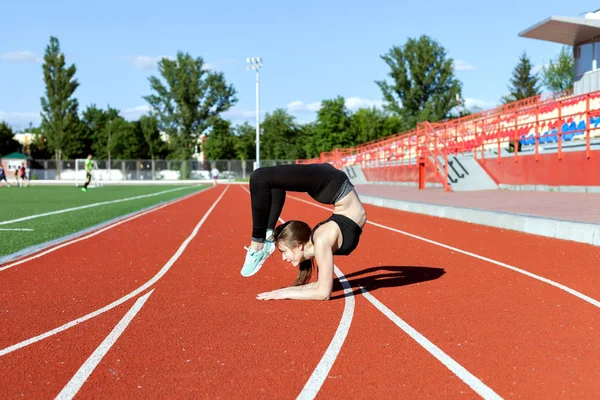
(317, 378)
(567, 289)
(110, 226)
(462, 373)
(123, 299)
(16, 229)
(65, 210)
(474, 383)
(84, 372)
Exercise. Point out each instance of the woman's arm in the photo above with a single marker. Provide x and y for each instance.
(320, 290)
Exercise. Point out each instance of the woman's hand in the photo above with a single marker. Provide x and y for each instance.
(278, 294)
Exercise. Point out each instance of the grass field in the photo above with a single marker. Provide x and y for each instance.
(18, 203)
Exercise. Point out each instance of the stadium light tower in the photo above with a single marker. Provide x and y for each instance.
(255, 65)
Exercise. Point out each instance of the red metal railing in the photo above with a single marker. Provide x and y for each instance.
(531, 122)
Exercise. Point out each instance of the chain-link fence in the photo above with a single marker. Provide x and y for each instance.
(147, 169)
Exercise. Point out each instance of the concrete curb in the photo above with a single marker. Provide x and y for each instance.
(548, 227)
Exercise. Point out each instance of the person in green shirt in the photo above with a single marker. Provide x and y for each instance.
(88, 172)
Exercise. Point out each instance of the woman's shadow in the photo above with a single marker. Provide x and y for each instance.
(387, 276)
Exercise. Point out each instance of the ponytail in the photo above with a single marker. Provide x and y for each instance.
(305, 270)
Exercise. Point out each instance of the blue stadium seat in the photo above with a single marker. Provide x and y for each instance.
(580, 127)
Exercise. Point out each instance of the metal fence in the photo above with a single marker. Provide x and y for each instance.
(147, 169)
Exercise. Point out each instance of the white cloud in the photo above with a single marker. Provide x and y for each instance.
(461, 65)
(21, 56)
(151, 62)
(135, 112)
(20, 120)
(482, 104)
(146, 62)
(354, 103)
(298, 106)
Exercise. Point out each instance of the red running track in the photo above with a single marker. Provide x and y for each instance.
(201, 333)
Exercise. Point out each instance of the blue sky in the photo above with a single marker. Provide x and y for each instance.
(312, 50)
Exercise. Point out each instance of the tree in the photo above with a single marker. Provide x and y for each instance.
(151, 134)
(307, 141)
(188, 101)
(95, 121)
(59, 115)
(220, 141)
(332, 129)
(8, 144)
(423, 86)
(126, 141)
(278, 142)
(370, 124)
(244, 142)
(558, 76)
(524, 83)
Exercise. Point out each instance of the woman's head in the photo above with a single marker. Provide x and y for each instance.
(291, 239)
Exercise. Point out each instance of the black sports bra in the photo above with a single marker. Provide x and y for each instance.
(350, 233)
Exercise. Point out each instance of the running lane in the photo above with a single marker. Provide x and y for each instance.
(203, 334)
(58, 287)
(41, 368)
(521, 337)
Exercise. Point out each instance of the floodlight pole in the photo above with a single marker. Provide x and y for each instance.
(256, 64)
(257, 121)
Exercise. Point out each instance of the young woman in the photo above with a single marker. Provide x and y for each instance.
(299, 244)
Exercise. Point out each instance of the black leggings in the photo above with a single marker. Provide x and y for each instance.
(268, 186)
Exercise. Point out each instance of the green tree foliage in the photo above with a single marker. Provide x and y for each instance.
(59, 115)
(523, 83)
(220, 142)
(126, 140)
(280, 137)
(188, 100)
(423, 86)
(7, 142)
(244, 143)
(38, 149)
(332, 129)
(95, 121)
(369, 124)
(148, 125)
(558, 76)
(306, 140)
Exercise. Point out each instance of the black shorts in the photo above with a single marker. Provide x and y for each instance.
(350, 233)
(88, 175)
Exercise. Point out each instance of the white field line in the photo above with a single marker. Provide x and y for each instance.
(66, 210)
(104, 229)
(123, 299)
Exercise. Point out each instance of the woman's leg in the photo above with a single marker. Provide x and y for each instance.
(277, 202)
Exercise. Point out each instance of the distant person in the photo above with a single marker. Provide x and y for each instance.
(3, 176)
(88, 172)
(22, 171)
(215, 175)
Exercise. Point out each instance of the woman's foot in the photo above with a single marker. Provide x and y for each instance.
(256, 258)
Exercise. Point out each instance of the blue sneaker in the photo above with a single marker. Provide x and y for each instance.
(255, 259)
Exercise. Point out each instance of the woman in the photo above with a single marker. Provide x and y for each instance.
(300, 245)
